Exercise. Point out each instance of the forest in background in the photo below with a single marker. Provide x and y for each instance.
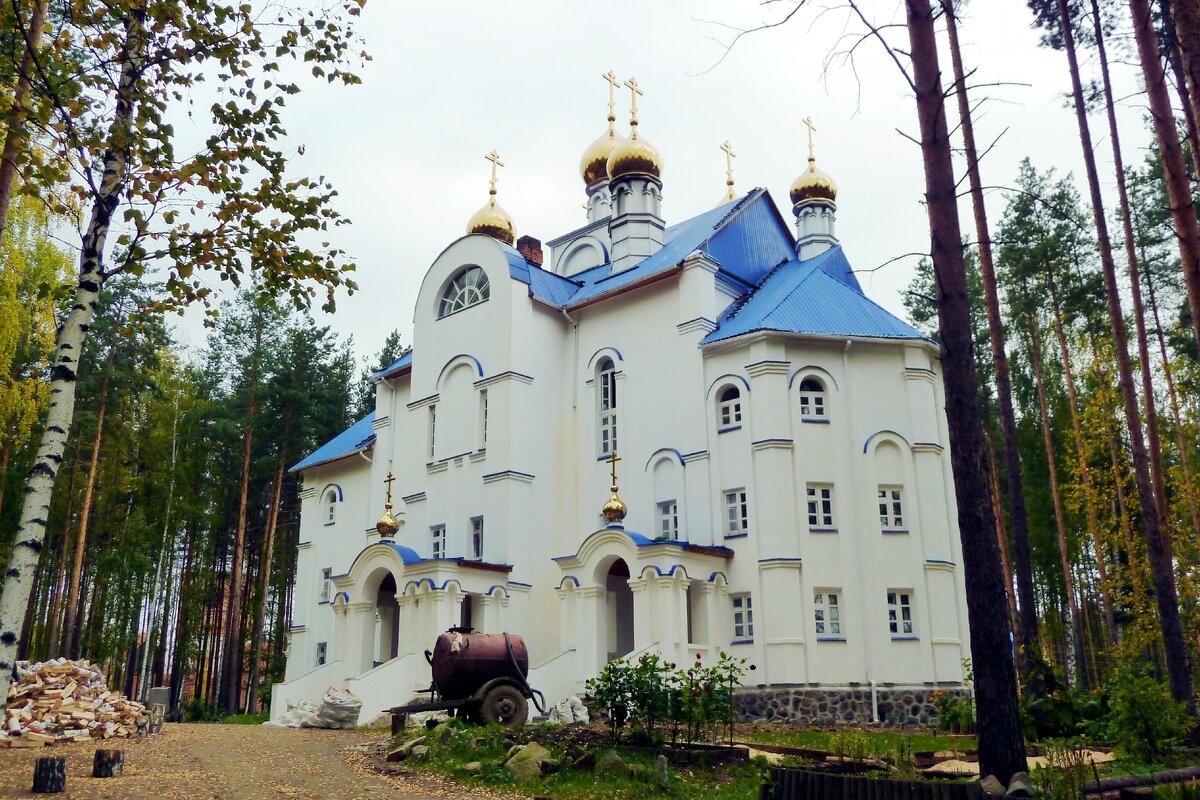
(169, 518)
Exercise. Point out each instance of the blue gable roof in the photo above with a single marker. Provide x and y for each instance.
(358, 436)
(805, 297)
(400, 363)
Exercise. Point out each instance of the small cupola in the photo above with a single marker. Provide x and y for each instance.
(492, 220)
(635, 181)
(814, 203)
(593, 164)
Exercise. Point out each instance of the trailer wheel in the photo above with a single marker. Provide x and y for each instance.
(504, 705)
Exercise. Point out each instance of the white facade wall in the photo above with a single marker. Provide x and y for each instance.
(540, 479)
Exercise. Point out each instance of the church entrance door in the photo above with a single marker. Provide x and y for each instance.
(618, 610)
(387, 625)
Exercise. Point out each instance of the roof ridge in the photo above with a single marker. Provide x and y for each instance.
(741, 302)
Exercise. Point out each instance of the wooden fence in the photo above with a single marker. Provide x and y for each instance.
(787, 783)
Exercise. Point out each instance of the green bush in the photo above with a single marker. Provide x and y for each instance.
(1144, 721)
(196, 710)
(1055, 710)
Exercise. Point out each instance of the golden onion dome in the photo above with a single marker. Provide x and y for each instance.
(387, 524)
(615, 509)
(634, 156)
(493, 221)
(813, 184)
(593, 165)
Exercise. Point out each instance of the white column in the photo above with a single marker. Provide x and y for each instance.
(593, 649)
(643, 614)
(360, 638)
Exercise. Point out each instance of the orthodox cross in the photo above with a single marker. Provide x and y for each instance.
(808, 123)
(611, 77)
(612, 459)
(632, 85)
(494, 157)
(727, 148)
(388, 480)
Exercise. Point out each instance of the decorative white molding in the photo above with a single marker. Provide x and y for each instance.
(772, 444)
(768, 367)
(919, 374)
(436, 466)
(519, 377)
(413, 498)
(381, 422)
(508, 475)
(697, 325)
(928, 447)
(423, 402)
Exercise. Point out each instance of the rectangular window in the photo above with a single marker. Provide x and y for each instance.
(820, 505)
(737, 512)
(891, 507)
(477, 538)
(322, 652)
(439, 541)
(483, 411)
(827, 612)
(743, 617)
(608, 411)
(668, 519)
(432, 429)
(900, 621)
(326, 584)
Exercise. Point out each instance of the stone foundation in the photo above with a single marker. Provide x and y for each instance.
(840, 705)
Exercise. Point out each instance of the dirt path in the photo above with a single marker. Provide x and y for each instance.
(224, 761)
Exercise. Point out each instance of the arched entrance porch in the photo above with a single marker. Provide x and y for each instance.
(618, 610)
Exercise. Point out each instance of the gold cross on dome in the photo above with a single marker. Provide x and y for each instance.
(613, 83)
(388, 480)
(808, 123)
(727, 148)
(632, 85)
(494, 157)
(612, 459)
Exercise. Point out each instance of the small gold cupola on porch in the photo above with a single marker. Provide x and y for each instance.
(623, 593)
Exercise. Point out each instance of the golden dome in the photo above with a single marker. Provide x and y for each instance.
(615, 509)
(387, 524)
(813, 184)
(634, 156)
(493, 221)
(593, 166)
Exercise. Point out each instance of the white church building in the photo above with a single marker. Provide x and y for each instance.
(783, 490)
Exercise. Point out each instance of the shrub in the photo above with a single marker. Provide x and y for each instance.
(1144, 721)
(1066, 769)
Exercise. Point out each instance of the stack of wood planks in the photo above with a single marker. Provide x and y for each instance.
(64, 701)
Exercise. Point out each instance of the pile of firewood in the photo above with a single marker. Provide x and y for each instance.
(63, 701)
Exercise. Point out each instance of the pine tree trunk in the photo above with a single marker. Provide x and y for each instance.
(35, 510)
(71, 646)
(1160, 565)
(1001, 749)
(14, 141)
(260, 617)
(1085, 473)
(1002, 537)
(1060, 521)
(52, 648)
(1170, 43)
(1028, 629)
(1179, 190)
(1185, 19)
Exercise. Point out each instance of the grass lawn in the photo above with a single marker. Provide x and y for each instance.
(874, 742)
(246, 719)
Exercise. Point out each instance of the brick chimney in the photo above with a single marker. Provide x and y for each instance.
(531, 249)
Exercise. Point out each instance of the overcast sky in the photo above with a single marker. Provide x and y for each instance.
(452, 80)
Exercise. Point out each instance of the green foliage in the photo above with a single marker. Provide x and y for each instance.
(1178, 791)
(850, 745)
(1067, 769)
(196, 710)
(1144, 722)
(1059, 711)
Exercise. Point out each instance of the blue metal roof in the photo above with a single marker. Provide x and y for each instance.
(407, 554)
(805, 297)
(358, 436)
(546, 286)
(401, 362)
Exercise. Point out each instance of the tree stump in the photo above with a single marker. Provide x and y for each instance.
(108, 763)
(50, 775)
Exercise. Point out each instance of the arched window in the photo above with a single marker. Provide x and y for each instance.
(812, 398)
(729, 407)
(606, 388)
(330, 504)
(469, 287)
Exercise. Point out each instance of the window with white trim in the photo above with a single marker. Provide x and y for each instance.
(743, 616)
(326, 584)
(900, 619)
(729, 407)
(439, 540)
(820, 505)
(891, 507)
(432, 429)
(322, 652)
(668, 519)
(606, 387)
(812, 398)
(827, 612)
(737, 512)
(477, 538)
(467, 288)
(331, 506)
(483, 414)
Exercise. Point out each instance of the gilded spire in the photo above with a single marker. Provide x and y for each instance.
(813, 184)
(634, 90)
(494, 157)
(593, 166)
(808, 123)
(635, 155)
(492, 220)
(727, 148)
(387, 524)
(615, 509)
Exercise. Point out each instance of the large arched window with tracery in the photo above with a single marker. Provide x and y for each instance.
(467, 288)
